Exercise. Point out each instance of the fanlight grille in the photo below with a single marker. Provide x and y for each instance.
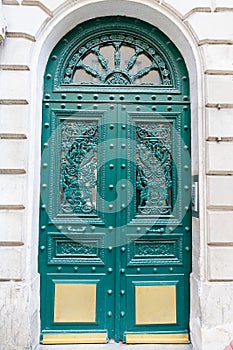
(117, 60)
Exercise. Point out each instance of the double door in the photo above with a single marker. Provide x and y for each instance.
(115, 223)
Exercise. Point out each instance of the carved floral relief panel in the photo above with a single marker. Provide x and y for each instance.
(78, 167)
(153, 168)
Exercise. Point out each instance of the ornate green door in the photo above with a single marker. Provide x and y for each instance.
(115, 223)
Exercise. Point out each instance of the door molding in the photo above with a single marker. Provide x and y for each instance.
(152, 13)
(166, 95)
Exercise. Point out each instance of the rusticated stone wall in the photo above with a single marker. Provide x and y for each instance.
(33, 28)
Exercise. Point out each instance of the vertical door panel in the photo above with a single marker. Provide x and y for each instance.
(77, 255)
(156, 240)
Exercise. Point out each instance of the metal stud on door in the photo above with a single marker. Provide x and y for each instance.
(115, 222)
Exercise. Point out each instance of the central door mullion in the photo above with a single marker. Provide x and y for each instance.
(108, 158)
(121, 218)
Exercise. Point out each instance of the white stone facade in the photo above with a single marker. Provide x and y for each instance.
(203, 32)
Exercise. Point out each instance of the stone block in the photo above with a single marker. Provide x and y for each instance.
(220, 265)
(50, 4)
(212, 295)
(218, 57)
(219, 191)
(212, 26)
(220, 225)
(196, 246)
(219, 89)
(12, 189)
(219, 123)
(13, 154)
(24, 19)
(10, 263)
(216, 338)
(195, 312)
(5, 313)
(11, 226)
(11, 2)
(20, 313)
(224, 3)
(216, 320)
(16, 85)
(219, 157)
(13, 119)
(185, 6)
(16, 51)
(18, 316)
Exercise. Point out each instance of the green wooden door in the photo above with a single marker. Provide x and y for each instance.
(115, 223)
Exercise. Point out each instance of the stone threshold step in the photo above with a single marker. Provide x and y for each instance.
(116, 346)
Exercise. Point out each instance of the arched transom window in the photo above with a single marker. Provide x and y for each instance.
(117, 59)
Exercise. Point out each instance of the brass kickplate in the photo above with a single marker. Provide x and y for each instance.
(75, 338)
(157, 338)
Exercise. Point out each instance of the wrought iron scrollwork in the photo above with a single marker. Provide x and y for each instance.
(129, 72)
(78, 167)
(154, 169)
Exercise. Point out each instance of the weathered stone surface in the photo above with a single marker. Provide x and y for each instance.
(16, 84)
(223, 3)
(219, 89)
(216, 26)
(211, 317)
(50, 4)
(19, 319)
(195, 312)
(196, 246)
(11, 226)
(218, 57)
(12, 189)
(219, 159)
(5, 313)
(185, 6)
(16, 51)
(219, 191)
(24, 19)
(10, 263)
(220, 267)
(14, 154)
(219, 123)
(13, 119)
(220, 225)
(217, 337)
